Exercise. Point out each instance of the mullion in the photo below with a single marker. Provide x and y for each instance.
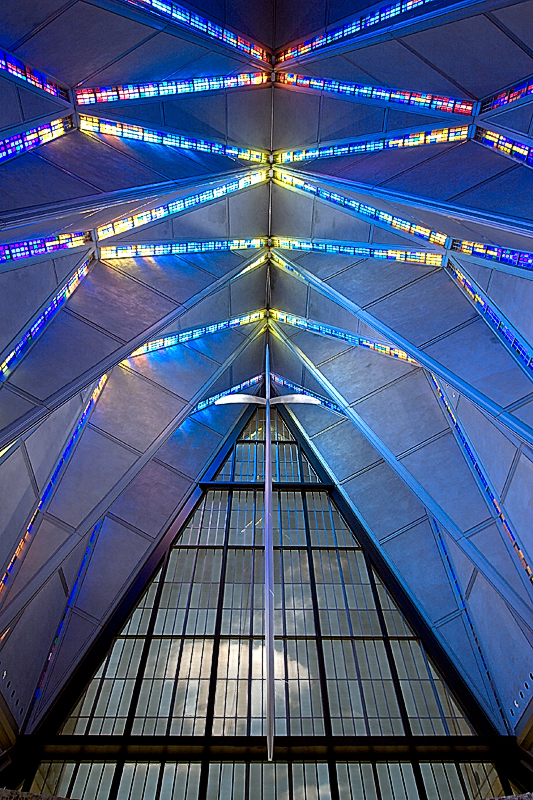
(396, 681)
(332, 768)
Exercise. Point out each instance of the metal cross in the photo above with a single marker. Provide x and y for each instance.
(267, 401)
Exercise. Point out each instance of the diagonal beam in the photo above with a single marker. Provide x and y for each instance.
(13, 67)
(30, 418)
(495, 220)
(182, 204)
(513, 423)
(165, 89)
(407, 14)
(513, 341)
(168, 138)
(508, 594)
(61, 212)
(376, 143)
(359, 209)
(31, 137)
(196, 26)
(480, 473)
(416, 102)
(516, 93)
(9, 613)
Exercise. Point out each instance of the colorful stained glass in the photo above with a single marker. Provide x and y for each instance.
(437, 136)
(136, 91)
(417, 99)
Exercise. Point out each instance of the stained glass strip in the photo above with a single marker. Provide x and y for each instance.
(416, 99)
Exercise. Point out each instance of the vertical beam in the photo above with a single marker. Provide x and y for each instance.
(269, 570)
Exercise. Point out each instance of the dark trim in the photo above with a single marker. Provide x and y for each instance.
(309, 748)
(277, 486)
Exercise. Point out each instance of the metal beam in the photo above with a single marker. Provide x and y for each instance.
(513, 423)
(524, 611)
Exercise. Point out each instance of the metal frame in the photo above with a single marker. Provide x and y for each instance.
(487, 745)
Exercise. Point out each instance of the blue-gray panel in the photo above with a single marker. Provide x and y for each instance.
(477, 355)
(151, 499)
(292, 24)
(248, 292)
(118, 304)
(287, 293)
(383, 500)
(10, 113)
(371, 279)
(47, 538)
(439, 304)
(81, 40)
(253, 19)
(107, 573)
(170, 275)
(12, 407)
(340, 119)
(416, 417)
(217, 264)
(179, 369)
(313, 419)
(97, 163)
(25, 651)
(248, 213)
(332, 223)
(204, 222)
(29, 181)
(292, 214)
(325, 310)
(475, 53)
(392, 64)
(403, 119)
(189, 448)
(321, 264)
(153, 60)
(219, 346)
(319, 348)
(133, 410)
(518, 119)
(375, 168)
(519, 19)
(212, 308)
(96, 465)
(295, 118)
(415, 555)
(509, 192)
(359, 372)
(17, 501)
(514, 297)
(249, 116)
(23, 290)
(336, 67)
(197, 115)
(66, 349)
(345, 450)
(35, 105)
(18, 22)
(147, 113)
(213, 63)
(451, 173)
(46, 443)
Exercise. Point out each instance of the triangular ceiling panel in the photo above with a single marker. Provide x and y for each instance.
(390, 281)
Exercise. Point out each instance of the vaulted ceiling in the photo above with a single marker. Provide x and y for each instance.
(377, 216)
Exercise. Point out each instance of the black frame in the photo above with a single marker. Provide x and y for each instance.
(510, 760)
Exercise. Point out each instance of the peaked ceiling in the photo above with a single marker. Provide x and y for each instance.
(377, 215)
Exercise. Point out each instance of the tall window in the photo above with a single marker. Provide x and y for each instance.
(185, 674)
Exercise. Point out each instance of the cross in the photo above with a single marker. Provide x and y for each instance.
(267, 401)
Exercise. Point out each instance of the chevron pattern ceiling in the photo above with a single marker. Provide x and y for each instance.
(177, 185)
